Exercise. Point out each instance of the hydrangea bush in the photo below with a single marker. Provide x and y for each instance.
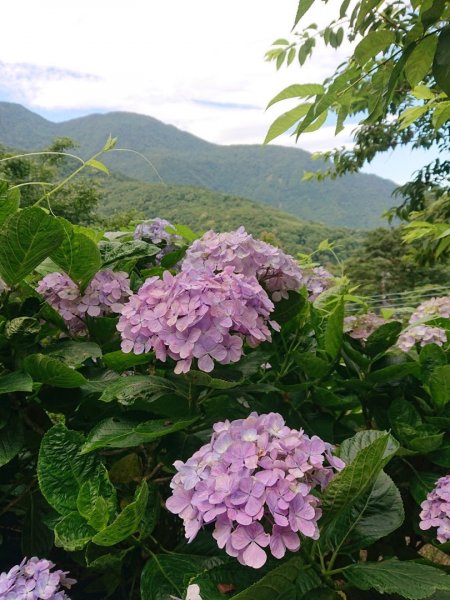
(203, 424)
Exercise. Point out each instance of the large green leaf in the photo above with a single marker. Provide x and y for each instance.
(121, 432)
(121, 361)
(373, 43)
(96, 500)
(277, 584)
(143, 388)
(72, 532)
(419, 63)
(408, 579)
(441, 64)
(72, 353)
(15, 382)
(383, 338)
(376, 515)
(168, 575)
(334, 331)
(78, 255)
(127, 522)
(11, 439)
(298, 90)
(9, 202)
(62, 470)
(113, 252)
(351, 484)
(26, 239)
(51, 371)
(440, 386)
(287, 120)
(37, 538)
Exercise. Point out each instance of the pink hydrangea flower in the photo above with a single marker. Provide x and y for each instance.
(34, 580)
(317, 281)
(436, 510)
(422, 335)
(435, 307)
(106, 294)
(278, 272)
(360, 327)
(154, 231)
(254, 480)
(197, 315)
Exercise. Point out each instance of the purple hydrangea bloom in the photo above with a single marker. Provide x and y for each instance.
(436, 510)
(64, 296)
(34, 580)
(360, 327)
(421, 334)
(154, 231)
(431, 309)
(254, 480)
(106, 293)
(278, 272)
(317, 281)
(200, 315)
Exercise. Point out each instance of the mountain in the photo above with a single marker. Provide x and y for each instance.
(202, 209)
(269, 174)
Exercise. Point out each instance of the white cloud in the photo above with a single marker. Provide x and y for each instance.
(158, 58)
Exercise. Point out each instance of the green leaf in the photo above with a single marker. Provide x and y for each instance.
(127, 391)
(408, 579)
(37, 538)
(73, 533)
(373, 43)
(26, 239)
(351, 484)
(11, 439)
(303, 7)
(376, 515)
(121, 361)
(334, 331)
(431, 356)
(277, 584)
(113, 252)
(298, 90)
(287, 120)
(97, 500)
(51, 371)
(127, 522)
(9, 203)
(392, 373)
(442, 457)
(118, 432)
(441, 115)
(74, 354)
(383, 338)
(62, 470)
(431, 11)
(78, 255)
(96, 164)
(421, 484)
(15, 382)
(313, 366)
(165, 575)
(366, 6)
(203, 379)
(440, 386)
(288, 308)
(411, 114)
(419, 62)
(422, 92)
(441, 64)
(317, 123)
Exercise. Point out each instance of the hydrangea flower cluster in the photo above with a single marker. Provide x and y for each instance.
(317, 281)
(435, 307)
(421, 334)
(254, 481)
(64, 296)
(154, 231)
(202, 315)
(34, 580)
(277, 271)
(106, 293)
(436, 510)
(360, 327)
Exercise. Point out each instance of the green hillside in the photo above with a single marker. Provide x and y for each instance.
(202, 209)
(270, 174)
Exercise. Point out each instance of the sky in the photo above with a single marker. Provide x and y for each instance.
(198, 65)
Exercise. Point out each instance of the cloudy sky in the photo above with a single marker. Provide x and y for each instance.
(198, 65)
